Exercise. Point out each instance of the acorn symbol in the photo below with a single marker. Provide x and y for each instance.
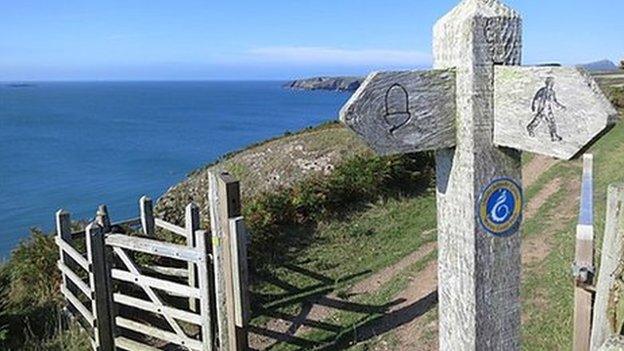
(397, 108)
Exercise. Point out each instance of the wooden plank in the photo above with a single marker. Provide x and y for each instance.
(240, 273)
(99, 279)
(403, 112)
(131, 222)
(582, 319)
(170, 271)
(224, 198)
(147, 216)
(158, 333)
(75, 255)
(165, 285)
(553, 111)
(148, 289)
(584, 260)
(191, 223)
(74, 278)
(610, 266)
(86, 314)
(63, 233)
(170, 227)
(132, 345)
(206, 283)
(154, 247)
(159, 309)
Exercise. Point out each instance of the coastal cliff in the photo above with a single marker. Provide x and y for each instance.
(326, 83)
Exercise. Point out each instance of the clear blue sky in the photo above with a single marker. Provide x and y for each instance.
(269, 39)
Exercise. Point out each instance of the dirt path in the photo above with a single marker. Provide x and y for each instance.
(534, 250)
(421, 333)
(315, 312)
(538, 245)
(405, 318)
(535, 168)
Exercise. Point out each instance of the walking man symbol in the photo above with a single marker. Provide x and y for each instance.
(543, 105)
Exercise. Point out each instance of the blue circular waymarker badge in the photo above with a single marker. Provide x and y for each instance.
(500, 207)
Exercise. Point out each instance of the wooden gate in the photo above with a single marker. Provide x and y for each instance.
(132, 291)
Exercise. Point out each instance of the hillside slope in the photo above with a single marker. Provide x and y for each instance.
(271, 165)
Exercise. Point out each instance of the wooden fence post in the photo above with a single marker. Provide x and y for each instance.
(584, 261)
(611, 266)
(191, 224)
(147, 216)
(63, 231)
(240, 273)
(102, 218)
(100, 283)
(206, 286)
(224, 197)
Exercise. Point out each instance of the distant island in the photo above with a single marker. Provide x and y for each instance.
(350, 83)
(600, 66)
(21, 85)
(326, 83)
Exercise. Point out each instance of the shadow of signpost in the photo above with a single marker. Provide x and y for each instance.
(375, 320)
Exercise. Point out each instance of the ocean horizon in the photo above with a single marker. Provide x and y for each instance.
(77, 144)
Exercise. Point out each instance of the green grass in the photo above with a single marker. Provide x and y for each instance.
(550, 324)
(347, 250)
(348, 321)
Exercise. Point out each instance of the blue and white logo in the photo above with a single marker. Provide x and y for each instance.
(500, 207)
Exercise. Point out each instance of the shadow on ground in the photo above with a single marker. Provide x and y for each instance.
(375, 319)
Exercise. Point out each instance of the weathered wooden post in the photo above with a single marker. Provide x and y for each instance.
(100, 284)
(191, 224)
(609, 289)
(102, 218)
(224, 197)
(583, 267)
(147, 216)
(205, 280)
(240, 273)
(478, 113)
(479, 263)
(63, 231)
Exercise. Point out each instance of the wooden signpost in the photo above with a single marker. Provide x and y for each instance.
(479, 115)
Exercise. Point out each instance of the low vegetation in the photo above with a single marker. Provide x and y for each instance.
(30, 302)
(353, 184)
(617, 96)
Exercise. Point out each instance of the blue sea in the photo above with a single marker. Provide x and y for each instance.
(75, 145)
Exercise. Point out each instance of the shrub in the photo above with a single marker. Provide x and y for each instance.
(31, 273)
(277, 220)
(616, 95)
(30, 300)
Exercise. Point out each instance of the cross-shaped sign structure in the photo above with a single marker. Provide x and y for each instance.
(479, 110)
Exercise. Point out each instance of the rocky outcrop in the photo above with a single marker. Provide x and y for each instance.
(326, 83)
